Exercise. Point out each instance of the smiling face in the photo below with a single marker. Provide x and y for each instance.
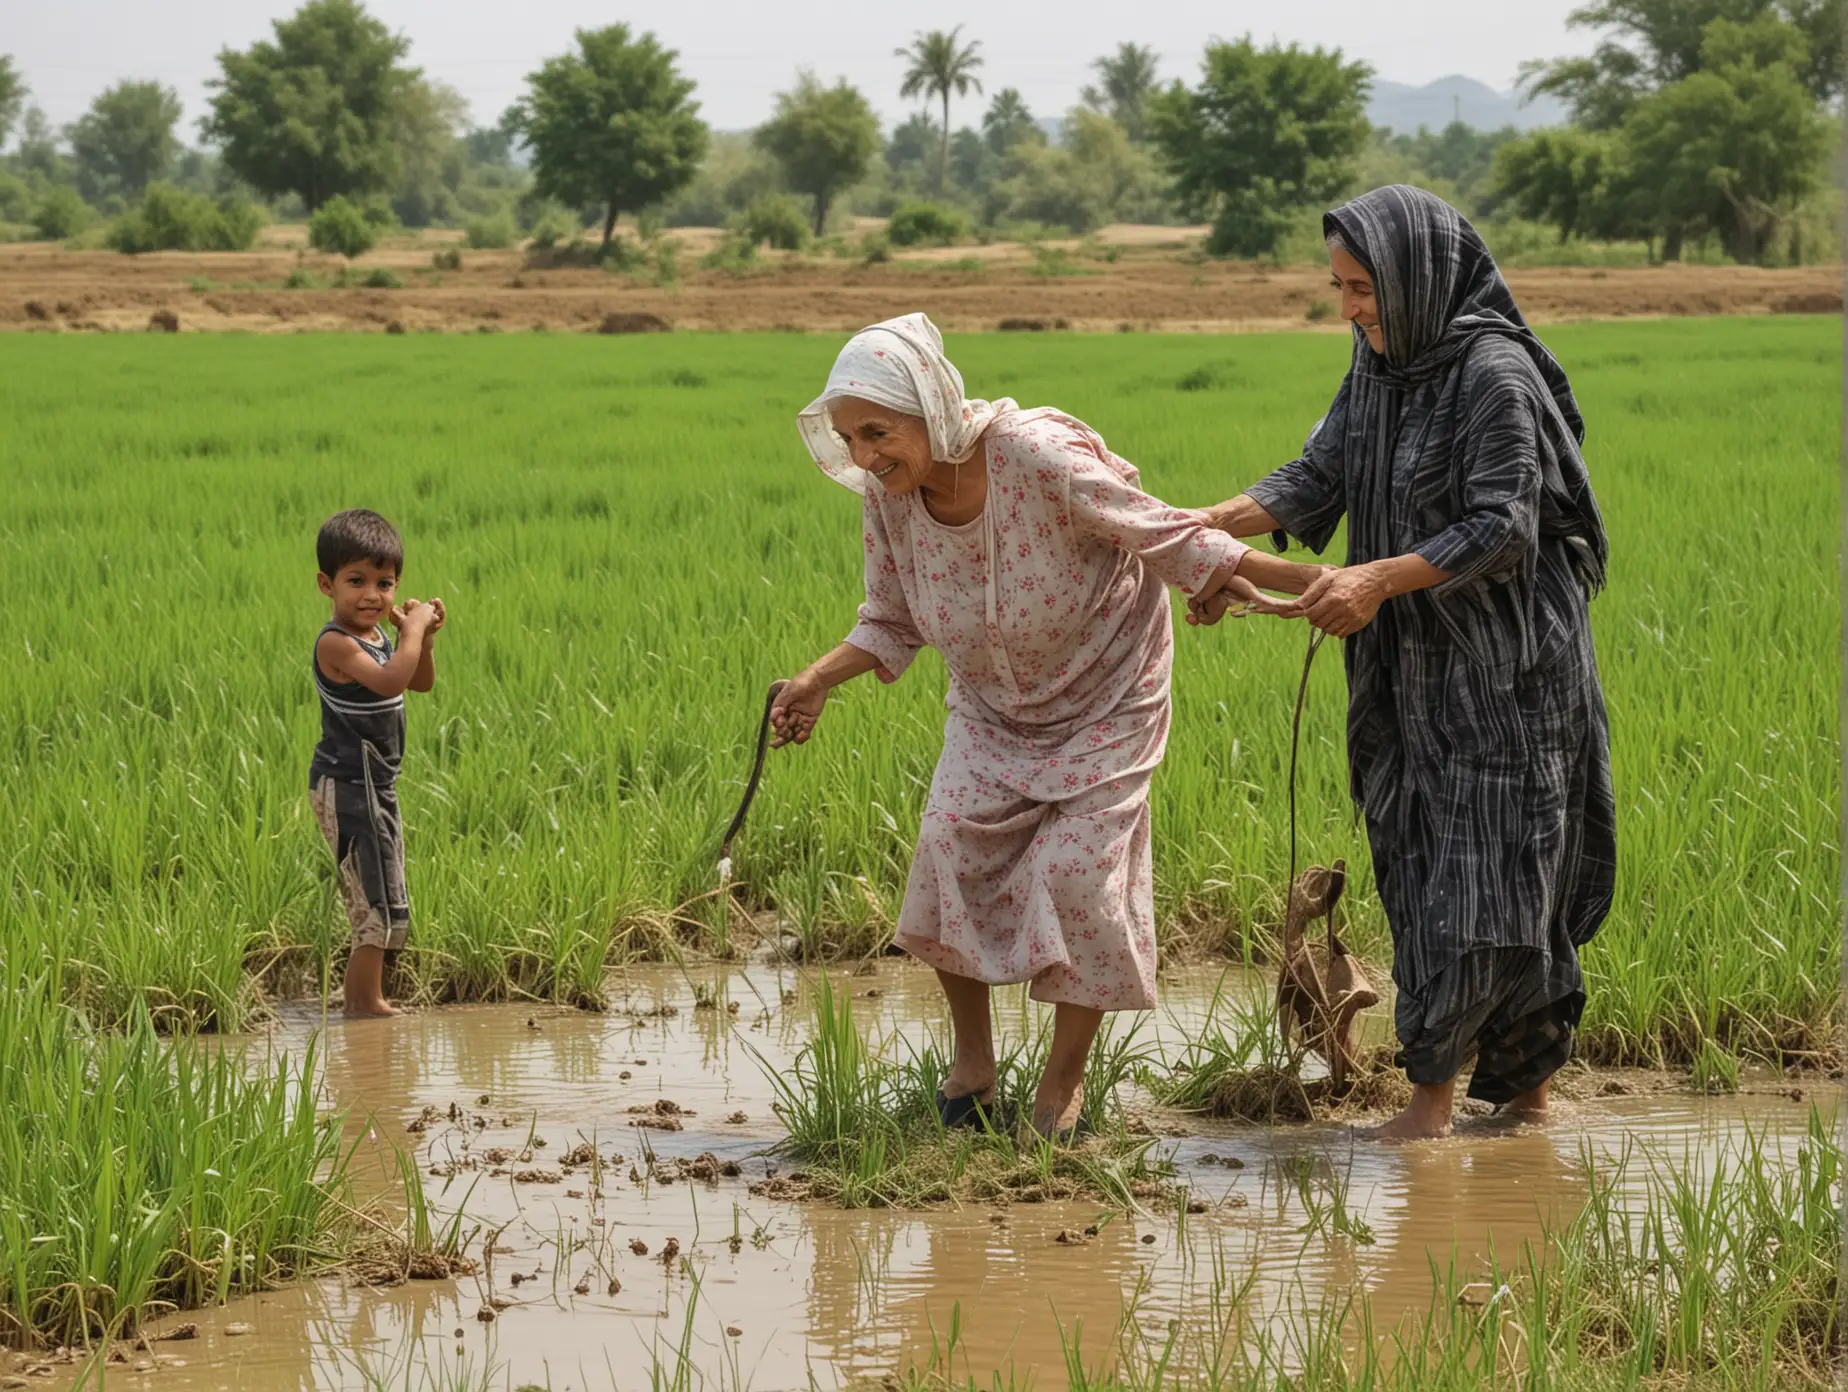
(1356, 289)
(363, 592)
(890, 445)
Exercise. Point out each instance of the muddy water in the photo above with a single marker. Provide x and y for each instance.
(808, 1294)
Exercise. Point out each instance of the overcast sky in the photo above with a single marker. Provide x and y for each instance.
(741, 53)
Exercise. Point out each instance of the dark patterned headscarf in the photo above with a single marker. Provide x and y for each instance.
(1438, 291)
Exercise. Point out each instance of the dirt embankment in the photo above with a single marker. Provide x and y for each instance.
(1153, 279)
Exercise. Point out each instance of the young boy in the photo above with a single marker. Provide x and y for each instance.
(352, 780)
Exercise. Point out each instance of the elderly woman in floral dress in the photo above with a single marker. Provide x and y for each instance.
(1015, 543)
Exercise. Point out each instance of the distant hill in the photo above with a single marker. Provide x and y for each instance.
(1437, 104)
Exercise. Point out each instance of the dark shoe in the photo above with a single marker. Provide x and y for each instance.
(967, 1110)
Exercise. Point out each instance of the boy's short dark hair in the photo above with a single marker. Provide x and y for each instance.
(357, 534)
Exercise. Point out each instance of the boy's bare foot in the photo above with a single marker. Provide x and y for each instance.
(1425, 1118)
(363, 991)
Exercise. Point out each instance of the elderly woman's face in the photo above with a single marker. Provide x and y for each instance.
(890, 445)
(1357, 303)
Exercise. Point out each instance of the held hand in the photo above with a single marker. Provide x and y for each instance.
(438, 616)
(796, 709)
(1341, 601)
(1228, 593)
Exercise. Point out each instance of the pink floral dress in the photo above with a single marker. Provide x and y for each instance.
(1049, 609)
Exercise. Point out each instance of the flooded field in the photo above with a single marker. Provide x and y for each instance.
(601, 1275)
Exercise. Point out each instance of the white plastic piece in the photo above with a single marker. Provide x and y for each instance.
(724, 872)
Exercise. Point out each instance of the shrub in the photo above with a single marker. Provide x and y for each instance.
(60, 213)
(15, 198)
(926, 224)
(340, 226)
(493, 233)
(170, 219)
(300, 279)
(776, 219)
(382, 278)
(667, 262)
(875, 247)
(732, 254)
(448, 259)
(553, 226)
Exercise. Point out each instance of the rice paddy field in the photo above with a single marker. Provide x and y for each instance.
(632, 544)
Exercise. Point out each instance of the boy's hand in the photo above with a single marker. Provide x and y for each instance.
(438, 616)
(413, 614)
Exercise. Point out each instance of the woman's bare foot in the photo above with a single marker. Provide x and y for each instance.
(1425, 1118)
(1057, 1105)
(1530, 1107)
(369, 1010)
(972, 1081)
(1058, 1102)
(972, 1063)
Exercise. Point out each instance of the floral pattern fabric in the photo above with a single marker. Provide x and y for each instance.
(1049, 610)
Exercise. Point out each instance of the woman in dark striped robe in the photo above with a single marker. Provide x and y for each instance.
(1477, 742)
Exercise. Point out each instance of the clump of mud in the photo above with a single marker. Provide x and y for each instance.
(390, 1261)
(1270, 1094)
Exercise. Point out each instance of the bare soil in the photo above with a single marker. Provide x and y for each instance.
(1156, 281)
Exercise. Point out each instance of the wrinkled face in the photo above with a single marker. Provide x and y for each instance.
(1356, 289)
(362, 593)
(890, 445)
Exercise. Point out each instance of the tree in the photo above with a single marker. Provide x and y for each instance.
(612, 124)
(315, 112)
(494, 144)
(1008, 122)
(125, 140)
(427, 122)
(38, 151)
(1732, 147)
(1651, 44)
(1737, 145)
(1268, 132)
(12, 96)
(823, 137)
(1569, 177)
(940, 65)
(1126, 81)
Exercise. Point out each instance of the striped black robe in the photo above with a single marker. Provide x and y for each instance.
(1477, 741)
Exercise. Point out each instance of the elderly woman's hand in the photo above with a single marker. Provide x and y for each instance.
(796, 709)
(1342, 600)
(1230, 593)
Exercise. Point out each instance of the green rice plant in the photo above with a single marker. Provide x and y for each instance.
(138, 1176)
(620, 598)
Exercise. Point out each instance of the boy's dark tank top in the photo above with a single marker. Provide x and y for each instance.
(362, 733)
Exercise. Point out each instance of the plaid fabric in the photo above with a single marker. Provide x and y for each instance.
(1477, 740)
(1515, 1010)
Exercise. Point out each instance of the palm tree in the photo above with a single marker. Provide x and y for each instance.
(1008, 122)
(1128, 77)
(938, 64)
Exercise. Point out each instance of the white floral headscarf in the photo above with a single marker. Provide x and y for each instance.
(899, 364)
